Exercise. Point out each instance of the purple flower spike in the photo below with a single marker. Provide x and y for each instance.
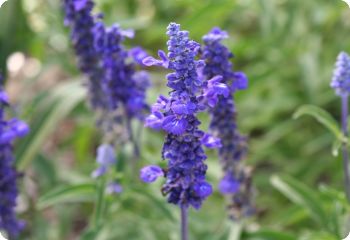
(236, 183)
(177, 116)
(9, 131)
(151, 173)
(116, 89)
(341, 75)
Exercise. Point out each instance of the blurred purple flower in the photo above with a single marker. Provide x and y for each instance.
(341, 76)
(9, 131)
(151, 173)
(236, 180)
(105, 158)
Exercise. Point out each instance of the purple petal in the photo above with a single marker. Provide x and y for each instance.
(151, 61)
(79, 4)
(240, 82)
(99, 172)
(151, 173)
(155, 120)
(214, 80)
(221, 89)
(20, 128)
(138, 54)
(129, 33)
(106, 155)
(165, 59)
(228, 185)
(114, 188)
(174, 125)
(4, 99)
(203, 189)
(211, 142)
(183, 108)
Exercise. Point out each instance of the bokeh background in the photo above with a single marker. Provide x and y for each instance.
(287, 49)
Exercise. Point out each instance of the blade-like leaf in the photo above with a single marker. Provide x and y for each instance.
(301, 194)
(76, 193)
(321, 116)
(268, 235)
(65, 98)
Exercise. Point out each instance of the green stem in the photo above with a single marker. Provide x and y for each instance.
(236, 231)
(100, 203)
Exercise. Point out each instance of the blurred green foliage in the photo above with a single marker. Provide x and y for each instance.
(287, 48)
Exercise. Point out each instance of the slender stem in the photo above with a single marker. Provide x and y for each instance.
(236, 231)
(100, 203)
(344, 123)
(184, 223)
(133, 140)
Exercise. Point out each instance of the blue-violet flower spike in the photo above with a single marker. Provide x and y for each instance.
(186, 183)
(9, 131)
(236, 183)
(341, 76)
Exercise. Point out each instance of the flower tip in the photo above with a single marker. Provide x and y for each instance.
(150, 61)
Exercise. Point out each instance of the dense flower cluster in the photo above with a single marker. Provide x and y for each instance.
(341, 76)
(117, 91)
(236, 182)
(9, 130)
(121, 83)
(79, 18)
(186, 184)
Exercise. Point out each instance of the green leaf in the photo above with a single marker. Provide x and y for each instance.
(337, 144)
(268, 235)
(158, 203)
(321, 116)
(302, 195)
(63, 100)
(75, 193)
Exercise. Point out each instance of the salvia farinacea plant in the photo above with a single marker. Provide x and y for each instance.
(236, 182)
(186, 185)
(10, 129)
(341, 84)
